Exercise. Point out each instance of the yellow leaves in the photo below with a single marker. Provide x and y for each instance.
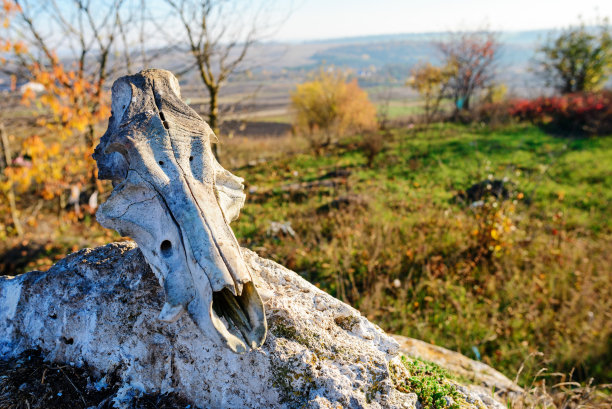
(10, 7)
(79, 123)
(49, 168)
(103, 112)
(426, 78)
(44, 78)
(410, 254)
(496, 93)
(331, 104)
(493, 228)
(494, 234)
(47, 194)
(76, 102)
(19, 47)
(27, 96)
(6, 44)
(560, 195)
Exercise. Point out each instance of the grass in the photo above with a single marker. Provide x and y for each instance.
(406, 109)
(400, 109)
(496, 282)
(242, 151)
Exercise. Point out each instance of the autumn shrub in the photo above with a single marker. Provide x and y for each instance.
(330, 106)
(431, 82)
(371, 145)
(582, 113)
(578, 59)
(493, 114)
(493, 227)
(51, 159)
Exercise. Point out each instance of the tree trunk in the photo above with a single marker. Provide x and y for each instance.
(11, 193)
(90, 142)
(213, 115)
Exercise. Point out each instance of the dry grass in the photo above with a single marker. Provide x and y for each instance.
(239, 152)
(559, 390)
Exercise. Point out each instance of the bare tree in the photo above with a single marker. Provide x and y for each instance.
(470, 59)
(219, 34)
(81, 44)
(85, 34)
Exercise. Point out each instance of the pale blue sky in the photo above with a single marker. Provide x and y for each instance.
(318, 19)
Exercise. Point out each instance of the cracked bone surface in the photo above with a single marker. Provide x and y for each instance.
(176, 201)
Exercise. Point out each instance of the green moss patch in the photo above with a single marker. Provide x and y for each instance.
(430, 383)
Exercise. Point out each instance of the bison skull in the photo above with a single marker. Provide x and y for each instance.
(175, 200)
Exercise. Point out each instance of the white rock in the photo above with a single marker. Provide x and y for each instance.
(100, 306)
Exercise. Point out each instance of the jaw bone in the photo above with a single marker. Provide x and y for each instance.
(174, 199)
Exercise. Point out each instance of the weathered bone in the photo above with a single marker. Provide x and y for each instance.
(176, 201)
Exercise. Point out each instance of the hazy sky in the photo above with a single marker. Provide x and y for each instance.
(318, 19)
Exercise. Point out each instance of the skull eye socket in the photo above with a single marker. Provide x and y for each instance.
(166, 248)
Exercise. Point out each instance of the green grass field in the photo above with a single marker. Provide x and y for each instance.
(519, 280)
(502, 280)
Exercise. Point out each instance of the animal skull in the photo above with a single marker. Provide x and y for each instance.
(176, 201)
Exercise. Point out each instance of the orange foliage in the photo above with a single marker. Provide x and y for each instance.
(48, 168)
(73, 102)
(9, 8)
(331, 105)
(76, 102)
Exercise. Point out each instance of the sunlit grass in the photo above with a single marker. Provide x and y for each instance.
(498, 281)
(420, 263)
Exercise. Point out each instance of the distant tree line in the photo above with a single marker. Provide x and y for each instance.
(578, 59)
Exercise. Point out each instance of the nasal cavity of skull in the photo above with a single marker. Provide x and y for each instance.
(166, 248)
(163, 118)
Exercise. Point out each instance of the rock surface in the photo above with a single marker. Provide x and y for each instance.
(99, 307)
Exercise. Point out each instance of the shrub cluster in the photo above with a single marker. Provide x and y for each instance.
(585, 113)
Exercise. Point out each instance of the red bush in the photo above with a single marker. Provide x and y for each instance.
(589, 113)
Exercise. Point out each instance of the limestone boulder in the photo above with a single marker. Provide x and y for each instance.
(99, 308)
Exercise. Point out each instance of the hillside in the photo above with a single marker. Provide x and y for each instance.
(497, 273)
